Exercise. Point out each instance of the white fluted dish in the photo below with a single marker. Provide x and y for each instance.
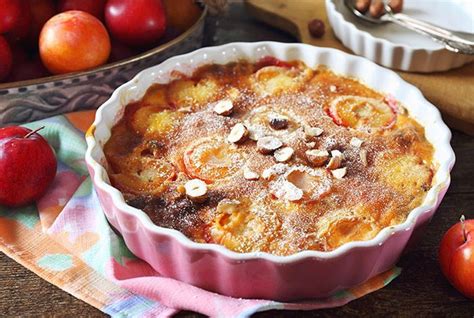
(398, 48)
(306, 274)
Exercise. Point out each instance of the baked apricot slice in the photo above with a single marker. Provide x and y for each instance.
(243, 227)
(212, 159)
(405, 173)
(182, 93)
(155, 121)
(144, 175)
(120, 144)
(347, 225)
(361, 112)
(272, 80)
(260, 122)
(347, 230)
(156, 95)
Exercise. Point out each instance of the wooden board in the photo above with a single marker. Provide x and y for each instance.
(452, 91)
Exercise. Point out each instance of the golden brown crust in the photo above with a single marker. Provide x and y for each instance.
(287, 205)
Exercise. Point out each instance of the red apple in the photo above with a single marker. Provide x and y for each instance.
(94, 7)
(27, 166)
(456, 256)
(41, 12)
(120, 51)
(6, 58)
(19, 32)
(28, 69)
(136, 22)
(10, 15)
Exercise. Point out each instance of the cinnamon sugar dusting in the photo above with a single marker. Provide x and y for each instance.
(272, 156)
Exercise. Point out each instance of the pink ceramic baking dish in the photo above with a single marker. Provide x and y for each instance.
(307, 274)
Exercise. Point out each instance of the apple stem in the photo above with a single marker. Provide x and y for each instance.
(463, 227)
(33, 131)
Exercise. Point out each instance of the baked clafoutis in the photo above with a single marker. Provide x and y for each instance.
(270, 156)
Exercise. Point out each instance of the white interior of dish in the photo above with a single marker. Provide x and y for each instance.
(456, 15)
(369, 73)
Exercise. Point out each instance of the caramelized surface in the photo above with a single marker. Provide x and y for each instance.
(173, 135)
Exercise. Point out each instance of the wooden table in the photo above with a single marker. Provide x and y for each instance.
(421, 289)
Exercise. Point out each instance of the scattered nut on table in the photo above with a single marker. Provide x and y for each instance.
(316, 28)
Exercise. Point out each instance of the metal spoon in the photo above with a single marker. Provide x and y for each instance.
(450, 39)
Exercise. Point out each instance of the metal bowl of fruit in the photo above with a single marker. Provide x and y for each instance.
(37, 82)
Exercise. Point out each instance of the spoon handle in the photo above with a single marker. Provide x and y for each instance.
(451, 41)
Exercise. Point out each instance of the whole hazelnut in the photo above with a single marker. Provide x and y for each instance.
(316, 28)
